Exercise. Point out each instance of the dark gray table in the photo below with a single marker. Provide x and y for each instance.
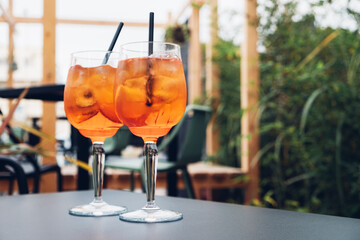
(44, 216)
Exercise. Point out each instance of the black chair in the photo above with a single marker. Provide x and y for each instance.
(193, 126)
(30, 164)
(34, 170)
(10, 168)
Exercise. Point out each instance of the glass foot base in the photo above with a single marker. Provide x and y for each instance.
(151, 216)
(97, 209)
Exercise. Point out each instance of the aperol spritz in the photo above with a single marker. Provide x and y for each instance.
(89, 106)
(150, 98)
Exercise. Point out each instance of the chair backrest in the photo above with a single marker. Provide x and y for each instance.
(195, 121)
(118, 142)
(11, 165)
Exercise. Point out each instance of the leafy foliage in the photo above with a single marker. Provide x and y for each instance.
(228, 112)
(314, 164)
(177, 33)
(310, 128)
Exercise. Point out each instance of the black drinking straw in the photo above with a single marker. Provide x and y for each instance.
(112, 44)
(151, 33)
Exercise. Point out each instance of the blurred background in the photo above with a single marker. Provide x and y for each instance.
(73, 36)
(308, 69)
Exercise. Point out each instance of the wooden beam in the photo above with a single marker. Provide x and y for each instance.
(83, 22)
(7, 14)
(49, 113)
(181, 12)
(194, 57)
(111, 23)
(212, 79)
(249, 100)
(23, 20)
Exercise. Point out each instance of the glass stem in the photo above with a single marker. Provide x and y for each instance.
(150, 168)
(98, 169)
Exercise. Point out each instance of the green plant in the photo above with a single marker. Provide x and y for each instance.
(228, 112)
(309, 123)
(309, 93)
(178, 33)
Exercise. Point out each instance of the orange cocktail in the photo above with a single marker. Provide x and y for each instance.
(89, 102)
(89, 107)
(151, 95)
(150, 98)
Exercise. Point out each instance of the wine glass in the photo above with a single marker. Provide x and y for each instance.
(150, 98)
(89, 107)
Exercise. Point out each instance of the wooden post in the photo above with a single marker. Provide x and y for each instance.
(249, 100)
(170, 19)
(10, 80)
(194, 58)
(212, 79)
(48, 182)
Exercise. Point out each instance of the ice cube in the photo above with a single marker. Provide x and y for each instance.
(166, 89)
(131, 98)
(79, 109)
(133, 67)
(163, 55)
(76, 76)
(102, 76)
(85, 97)
(84, 114)
(170, 67)
(102, 79)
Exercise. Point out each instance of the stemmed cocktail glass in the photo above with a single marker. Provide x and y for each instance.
(150, 98)
(89, 106)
